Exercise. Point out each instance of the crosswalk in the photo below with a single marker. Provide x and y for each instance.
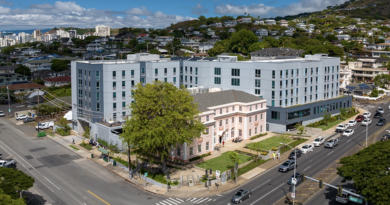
(176, 201)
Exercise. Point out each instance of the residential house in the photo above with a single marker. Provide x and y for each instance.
(346, 73)
(192, 44)
(145, 39)
(309, 30)
(24, 87)
(14, 78)
(190, 28)
(274, 33)
(340, 17)
(301, 26)
(94, 46)
(200, 55)
(57, 81)
(42, 74)
(351, 27)
(66, 41)
(246, 20)
(195, 38)
(258, 22)
(368, 69)
(338, 31)
(276, 53)
(358, 19)
(270, 22)
(127, 36)
(283, 23)
(262, 32)
(343, 37)
(385, 24)
(216, 25)
(30, 51)
(10, 69)
(64, 73)
(164, 40)
(205, 46)
(288, 33)
(230, 23)
(78, 50)
(291, 28)
(196, 32)
(231, 30)
(369, 33)
(375, 29)
(203, 26)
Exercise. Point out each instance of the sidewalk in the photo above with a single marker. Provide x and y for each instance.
(184, 191)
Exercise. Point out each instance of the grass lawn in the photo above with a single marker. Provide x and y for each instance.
(223, 162)
(293, 144)
(330, 124)
(73, 147)
(271, 142)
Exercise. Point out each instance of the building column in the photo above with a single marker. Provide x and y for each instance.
(245, 131)
(185, 151)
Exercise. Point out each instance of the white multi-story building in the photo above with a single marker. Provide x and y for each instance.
(297, 90)
(72, 34)
(102, 30)
(62, 33)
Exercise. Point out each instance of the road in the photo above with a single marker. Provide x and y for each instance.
(63, 177)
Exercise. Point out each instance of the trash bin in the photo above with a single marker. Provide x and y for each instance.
(91, 155)
(33, 115)
(114, 163)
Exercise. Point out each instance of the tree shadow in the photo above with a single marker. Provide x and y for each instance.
(33, 199)
(330, 194)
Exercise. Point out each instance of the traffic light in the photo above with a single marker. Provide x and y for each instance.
(291, 188)
(211, 172)
(303, 177)
(205, 172)
(321, 183)
(340, 191)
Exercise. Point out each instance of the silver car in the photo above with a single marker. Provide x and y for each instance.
(380, 110)
(2, 114)
(332, 143)
(287, 166)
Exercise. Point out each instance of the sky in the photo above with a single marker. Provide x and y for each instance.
(41, 14)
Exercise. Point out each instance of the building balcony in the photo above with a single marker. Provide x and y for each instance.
(364, 75)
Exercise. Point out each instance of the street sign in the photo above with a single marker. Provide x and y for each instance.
(9, 110)
(146, 174)
(356, 200)
(293, 195)
(293, 181)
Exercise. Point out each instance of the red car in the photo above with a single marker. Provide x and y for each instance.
(359, 118)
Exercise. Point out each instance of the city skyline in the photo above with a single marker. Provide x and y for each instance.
(45, 14)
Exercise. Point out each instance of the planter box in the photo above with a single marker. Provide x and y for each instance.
(191, 183)
(265, 157)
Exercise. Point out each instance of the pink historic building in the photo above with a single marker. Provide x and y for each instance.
(227, 115)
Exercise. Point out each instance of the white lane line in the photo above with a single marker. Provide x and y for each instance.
(197, 200)
(201, 201)
(31, 166)
(175, 200)
(170, 201)
(349, 140)
(330, 152)
(219, 195)
(267, 194)
(307, 168)
(164, 202)
(179, 200)
(192, 199)
(188, 199)
(209, 200)
(261, 184)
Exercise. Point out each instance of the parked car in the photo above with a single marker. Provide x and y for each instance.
(385, 137)
(367, 114)
(378, 115)
(380, 110)
(352, 123)
(348, 132)
(29, 119)
(307, 148)
(381, 122)
(296, 152)
(359, 118)
(344, 199)
(367, 121)
(241, 195)
(297, 176)
(21, 117)
(332, 143)
(287, 166)
(45, 125)
(319, 141)
(2, 114)
(341, 127)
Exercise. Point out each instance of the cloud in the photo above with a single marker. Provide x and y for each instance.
(268, 11)
(64, 14)
(6, 3)
(139, 11)
(198, 10)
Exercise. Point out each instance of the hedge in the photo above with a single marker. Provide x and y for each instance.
(332, 119)
(257, 136)
(200, 157)
(62, 132)
(249, 167)
(292, 144)
(86, 146)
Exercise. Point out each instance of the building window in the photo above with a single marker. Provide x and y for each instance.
(232, 132)
(235, 82)
(207, 145)
(298, 114)
(123, 114)
(220, 123)
(257, 83)
(275, 115)
(227, 110)
(174, 79)
(97, 106)
(199, 148)
(220, 111)
(98, 96)
(123, 94)
(207, 131)
(165, 79)
(165, 71)
(217, 71)
(114, 95)
(113, 73)
(132, 72)
(114, 105)
(123, 73)
(250, 119)
(217, 80)
(191, 148)
(255, 130)
(196, 70)
(97, 75)
(178, 151)
(156, 71)
(257, 92)
(255, 118)
(97, 85)
(240, 108)
(232, 119)
(240, 133)
(239, 119)
(207, 118)
(273, 84)
(123, 104)
(196, 80)
(114, 84)
(257, 73)
(273, 74)
(227, 121)
(123, 83)
(235, 72)
(250, 132)
(80, 73)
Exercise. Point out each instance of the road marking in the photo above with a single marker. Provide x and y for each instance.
(267, 194)
(307, 168)
(201, 201)
(219, 195)
(98, 197)
(261, 184)
(170, 201)
(349, 140)
(179, 200)
(330, 152)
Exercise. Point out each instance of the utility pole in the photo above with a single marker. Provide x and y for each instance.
(131, 174)
(9, 102)
(38, 111)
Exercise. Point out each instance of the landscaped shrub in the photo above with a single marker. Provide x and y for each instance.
(103, 142)
(293, 144)
(200, 157)
(62, 132)
(86, 146)
(248, 167)
(274, 149)
(257, 136)
(349, 112)
(264, 153)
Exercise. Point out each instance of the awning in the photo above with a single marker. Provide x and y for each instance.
(102, 150)
(220, 132)
(68, 115)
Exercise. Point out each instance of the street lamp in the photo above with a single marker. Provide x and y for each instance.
(295, 167)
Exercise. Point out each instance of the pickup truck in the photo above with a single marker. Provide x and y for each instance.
(341, 127)
(45, 125)
(21, 117)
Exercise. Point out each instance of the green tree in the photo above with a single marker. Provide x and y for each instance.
(154, 51)
(4, 95)
(59, 65)
(13, 182)
(163, 116)
(64, 124)
(87, 134)
(368, 170)
(240, 41)
(7, 50)
(23, 70)
(374, 93)
(326, 117)
(258, 46)
(255, 147)
(7, 200)
(301, 130)
(234, 157)
(202, 19)
(382, 80)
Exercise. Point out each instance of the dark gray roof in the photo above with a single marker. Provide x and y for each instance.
(279, 51)
(223, 97)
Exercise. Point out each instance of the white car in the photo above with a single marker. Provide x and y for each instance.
(348, 132)
(307, 148)
(341, 127)
(352, 123)
(367, 114)
(21, 117)
(366, 121)
(380, 110)
(2, 114)
(319, 141)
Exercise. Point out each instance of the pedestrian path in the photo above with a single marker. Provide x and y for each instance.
(176, 201)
